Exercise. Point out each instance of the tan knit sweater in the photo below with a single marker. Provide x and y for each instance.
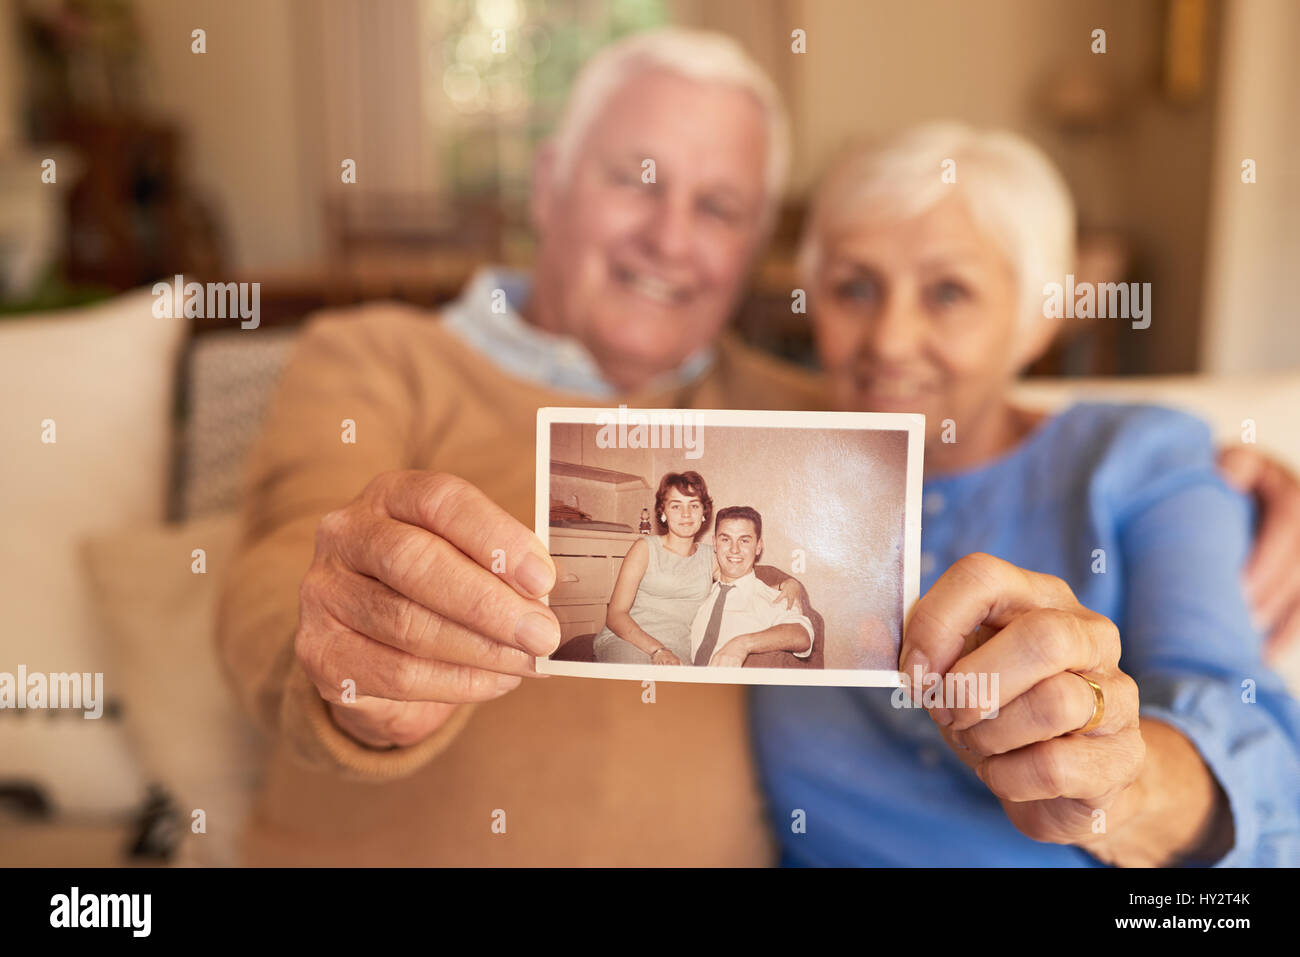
(585, 773)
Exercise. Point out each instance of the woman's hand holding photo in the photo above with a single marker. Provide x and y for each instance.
(1060, 742)
(792, 593)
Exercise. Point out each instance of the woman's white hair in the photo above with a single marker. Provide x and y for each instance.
(1013, 191)
(693, 54)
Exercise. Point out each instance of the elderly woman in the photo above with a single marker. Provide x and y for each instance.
(1050, 546)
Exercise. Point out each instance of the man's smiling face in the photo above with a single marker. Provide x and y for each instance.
(737, 546)
(647, 273)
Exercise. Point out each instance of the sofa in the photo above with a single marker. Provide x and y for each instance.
(118, 531)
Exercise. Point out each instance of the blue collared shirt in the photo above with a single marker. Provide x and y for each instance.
(487, 317)
(1125, 504)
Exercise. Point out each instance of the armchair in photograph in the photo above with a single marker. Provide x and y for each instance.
(773, 576)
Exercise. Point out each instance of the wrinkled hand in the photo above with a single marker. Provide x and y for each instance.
(1272, 575)
(986, 616)
(400, 599)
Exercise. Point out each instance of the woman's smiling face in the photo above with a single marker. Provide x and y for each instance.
(920, 316)
(683, 514)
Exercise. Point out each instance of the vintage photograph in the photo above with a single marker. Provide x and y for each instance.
(746, 547)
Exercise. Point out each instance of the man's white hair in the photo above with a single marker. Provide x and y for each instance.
(693, 54)
(1013, 191)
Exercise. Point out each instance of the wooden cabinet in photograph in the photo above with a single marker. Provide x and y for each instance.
(586, 565)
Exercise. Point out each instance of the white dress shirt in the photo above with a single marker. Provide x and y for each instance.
(749, 608)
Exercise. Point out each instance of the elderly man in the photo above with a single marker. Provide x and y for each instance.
(367, 622)
(391, 674)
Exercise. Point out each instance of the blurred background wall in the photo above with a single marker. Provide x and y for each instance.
(1150, 134)
(1254, 234)
(9, 82)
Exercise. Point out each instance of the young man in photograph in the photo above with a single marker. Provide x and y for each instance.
(739, 618)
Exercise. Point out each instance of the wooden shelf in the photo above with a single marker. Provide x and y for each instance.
(622, 480)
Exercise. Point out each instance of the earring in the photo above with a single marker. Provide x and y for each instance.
(663, 519)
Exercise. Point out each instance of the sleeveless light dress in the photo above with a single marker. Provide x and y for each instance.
(670, 594)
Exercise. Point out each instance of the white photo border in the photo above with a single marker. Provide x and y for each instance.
(913, 424)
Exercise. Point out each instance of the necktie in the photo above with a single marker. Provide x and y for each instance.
(715, 624)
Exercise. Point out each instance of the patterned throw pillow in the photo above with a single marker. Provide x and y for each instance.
(230, 378)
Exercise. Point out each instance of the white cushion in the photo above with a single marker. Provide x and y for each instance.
(1271, 402)
(182, 721)
(1225, 402)
(105, 375)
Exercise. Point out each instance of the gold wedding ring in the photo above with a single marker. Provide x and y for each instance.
(1098, 705)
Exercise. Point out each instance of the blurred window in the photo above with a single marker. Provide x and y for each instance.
(505, 67)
